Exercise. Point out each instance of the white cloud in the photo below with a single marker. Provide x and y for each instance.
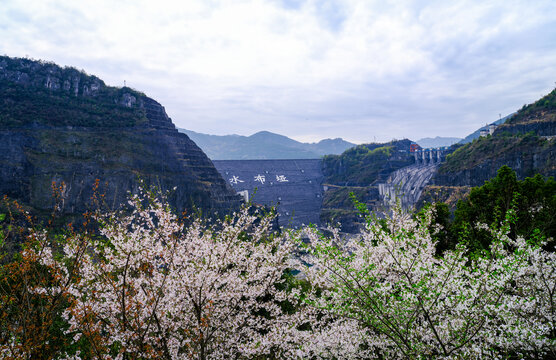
(358, 69)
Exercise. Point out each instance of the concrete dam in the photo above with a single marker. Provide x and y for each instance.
(294, 187)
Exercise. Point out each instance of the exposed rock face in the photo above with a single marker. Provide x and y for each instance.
(525, 162)
(60, 125)
(40, 74)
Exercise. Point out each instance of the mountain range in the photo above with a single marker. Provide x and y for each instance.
(263, 145)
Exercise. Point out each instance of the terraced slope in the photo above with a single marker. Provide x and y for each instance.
(60, 125)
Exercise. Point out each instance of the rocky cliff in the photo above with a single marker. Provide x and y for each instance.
(62, 125)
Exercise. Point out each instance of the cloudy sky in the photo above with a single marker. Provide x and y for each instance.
(362, 70)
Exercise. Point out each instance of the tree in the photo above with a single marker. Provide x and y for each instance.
(145, 285)
(151, 287)
(440, 226)
(32, 291)
(534, 200)
(405, 302)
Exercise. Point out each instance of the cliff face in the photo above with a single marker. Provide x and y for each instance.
(61, 125)
(538, 117)
(539, 156)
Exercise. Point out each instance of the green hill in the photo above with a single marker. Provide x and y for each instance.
(366, 164)
(358, 170)
(525, 142)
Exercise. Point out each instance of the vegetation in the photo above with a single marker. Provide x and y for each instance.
(362, 165)
(521, 136)
(145, 283)
(391, 297)
(341, 197)
(148, 286)
(493, 147)
(533, 201)
(145, 286)
(450, 195)
(20, 106)
(527, 113)
(337, 206)
(41, 93)
(353, 172)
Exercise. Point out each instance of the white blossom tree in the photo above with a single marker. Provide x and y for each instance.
(151, 287)
(411, 304)
(526, 315)
(148, 286)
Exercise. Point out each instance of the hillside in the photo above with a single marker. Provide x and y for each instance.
(366, 164)
(525, 142)
(62, 125)
(263, 145)
(359, 170)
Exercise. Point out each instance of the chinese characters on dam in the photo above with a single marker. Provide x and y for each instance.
(234, 180)
(294, 187)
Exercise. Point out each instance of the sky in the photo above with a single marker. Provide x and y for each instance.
(362, 70)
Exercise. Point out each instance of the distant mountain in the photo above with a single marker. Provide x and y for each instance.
(263, 145)
(477, 133)
(438, 141)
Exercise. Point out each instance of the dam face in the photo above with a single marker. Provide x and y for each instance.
(294, 187)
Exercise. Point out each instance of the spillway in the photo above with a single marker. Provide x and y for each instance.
(406, 184)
